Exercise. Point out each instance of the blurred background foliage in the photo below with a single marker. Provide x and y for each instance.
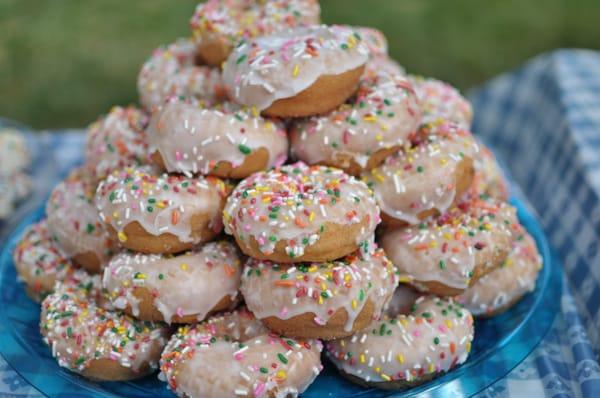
(64, 62)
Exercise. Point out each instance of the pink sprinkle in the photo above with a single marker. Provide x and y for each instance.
(284, 311)
(443, 328)
(261, 241)
(179, 312)
(319, 321)
(260, 389)
(406, 237)
(416, 333)
(178, 156)
(280, 160)
(239, 356)
(346, 137)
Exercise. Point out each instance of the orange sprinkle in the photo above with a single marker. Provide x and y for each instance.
(284, 283)
(299, 222)
(229, 270)
(421, 246)
(452, 348)
(174, 217)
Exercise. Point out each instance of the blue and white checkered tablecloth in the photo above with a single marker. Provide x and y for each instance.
(543, 122)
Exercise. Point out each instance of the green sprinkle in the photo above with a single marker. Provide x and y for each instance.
(282, 358)
(436, 340)
(244, 149)
(442, 264)
(240, 59)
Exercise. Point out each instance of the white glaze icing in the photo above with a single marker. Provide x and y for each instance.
(192, 283)
(506, 284)
(260, 71)
(284, 291)
(441, 100)
(294, 202)
(209, 361)
(159, 203)
(73, 220)
(432, 339)
(78, 332)
(489, 179)
(116, 140)
(447, 249)
(382, 115)
(192, 138)
(172, 71)
(423, 176)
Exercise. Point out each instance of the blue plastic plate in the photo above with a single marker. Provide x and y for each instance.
(500, 343)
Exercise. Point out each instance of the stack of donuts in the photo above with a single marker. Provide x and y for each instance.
(284, 190)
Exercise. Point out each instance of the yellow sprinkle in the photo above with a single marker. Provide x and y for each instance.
(320, 300)
(433, 243)
(385, 377)
(312, 216)
(400, 358)
(378, 137)
(323, 286)
(449, 323)
(443, 161)
(405, 278)
(370, 118)
(161, 205)
(254, 111)
(447, 236)
(354, 304)
(468, 347)
(115, 215)
(183, 266)
(377, 369)
(431, 368)
(313, 268)
(362, 358)
(122, 236)
(296, 70)
(281, 375)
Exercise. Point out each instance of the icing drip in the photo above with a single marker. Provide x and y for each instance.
(293, 203)
(284, 291)
(435, 337)
(448, 248)
(172, 71)
(116, 140)
(382, 115)
(504, 285)
(441, 100)
(189, 284)
(79, 332)
(160, 204)
(422, 177)
(260, 71)
(192, 137)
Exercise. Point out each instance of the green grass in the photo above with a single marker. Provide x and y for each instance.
(64, 62)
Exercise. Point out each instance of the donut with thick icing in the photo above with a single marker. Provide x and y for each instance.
(224, 141)
(176, 289)
(234, 355)
(445, 255)
(407, 349)
(379, 60)
(299, 72)
(426, 178)
(299, 213)
(503, 287)
(74, 224)
(489, 179)
(160, 214)
(115, 141)
(441, 100)
(99, 344)
(361, 133)
(319, 300)
(218, 25)
(171, 71)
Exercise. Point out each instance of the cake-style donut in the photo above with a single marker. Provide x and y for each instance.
(319, 300)
(447, 254)
(361, 133)
(116, 140)
(408, 349)
(489, 179)
(39, 262)
(298, 213)
(426, 178)
(99, 344)
(160, 214)
(14, 153)
(224, 141)
(73, 222)
(300, 72)
(172, 71)
(175, 289)
(234, 355)
(441, 100)
(218, 25)
(503, 287)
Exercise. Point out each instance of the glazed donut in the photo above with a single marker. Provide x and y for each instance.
(218, 25)
(319, 300)
(40, 263)
(172, 71)
(406, 350)
(503, 287)
(427, 178)
(73, 222)
(360, 134)
(379, 60)
(14, 154)
(97, 343)
(181, 289)
(14, 188)
(448, 254)
(225, 141)
(441, 100)
(299, 213)
(115, 141)
(234, 355)
(160, 214)
(300, 72)
(488, 179)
